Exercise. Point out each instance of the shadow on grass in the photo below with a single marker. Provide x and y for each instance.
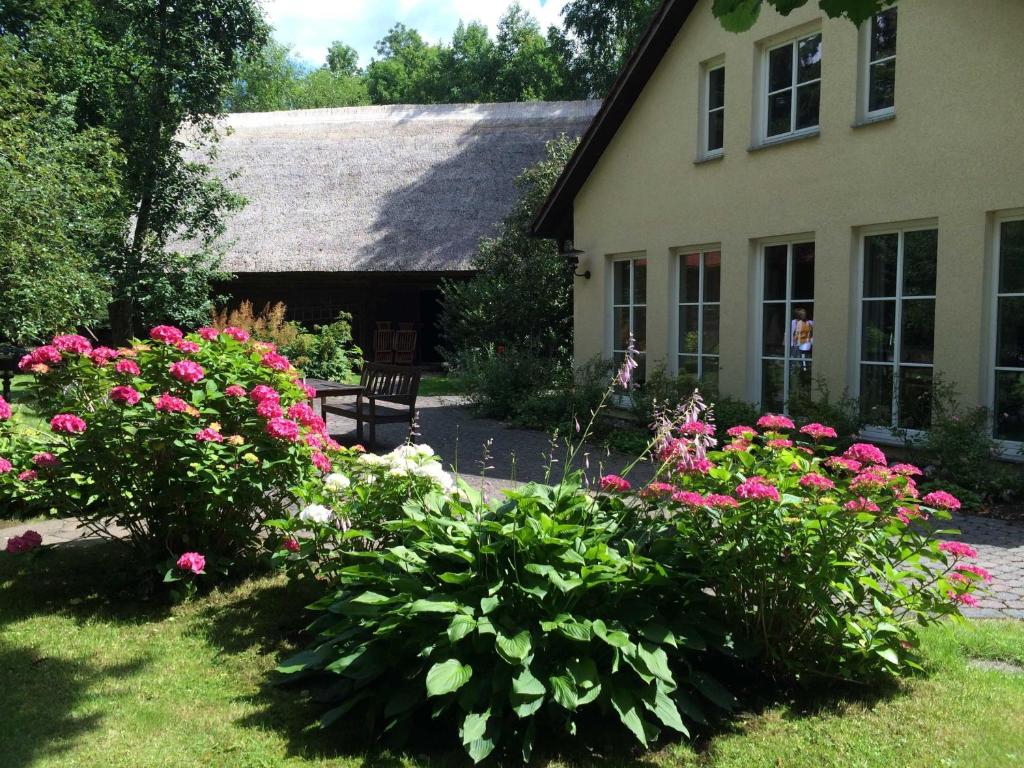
(39, 697)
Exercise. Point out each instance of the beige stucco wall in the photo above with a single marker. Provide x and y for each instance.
(953, 154)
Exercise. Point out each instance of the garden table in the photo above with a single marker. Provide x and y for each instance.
(325, 389)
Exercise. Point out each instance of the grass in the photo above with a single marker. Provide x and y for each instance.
(432, 385)
(90, 675)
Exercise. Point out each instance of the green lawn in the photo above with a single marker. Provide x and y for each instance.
(91, 676)
(432, 385)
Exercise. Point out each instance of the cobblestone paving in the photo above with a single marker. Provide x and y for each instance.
(517, 456)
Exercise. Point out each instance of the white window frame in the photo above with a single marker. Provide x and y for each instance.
(886, 432)
(632, 258)
(704, 134)
(759, 357)
(793, 40)
(864, 113)
(700, 304)
(1009, 449)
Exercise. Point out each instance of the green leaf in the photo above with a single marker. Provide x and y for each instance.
(888, 654)
(625, 704)
(527, 685)
(713, 690)
(447, 677)
(665, 709)
(460, 626)
(433, 605)
(474, 725)
(657, 661)
(615, 638)
(488, 604)
(514, 650)
(563, 691)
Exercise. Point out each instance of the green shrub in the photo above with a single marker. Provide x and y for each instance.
(20, 495)
(660, 391)
(842, 414)
(329, 352)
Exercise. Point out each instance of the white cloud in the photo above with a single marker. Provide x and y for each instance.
(310, 25)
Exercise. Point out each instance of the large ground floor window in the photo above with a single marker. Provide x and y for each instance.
(897, 337)
(787, 323)
(1008, 402)
(629, 311)
(700, 288)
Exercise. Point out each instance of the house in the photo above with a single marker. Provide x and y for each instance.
(367, 209)
(812, 201)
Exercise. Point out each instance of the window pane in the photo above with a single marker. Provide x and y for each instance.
(775, 257)
(688, 365)
(640, 281)
(688, 330)
(808, 100)
(1011, 257)
(1009, 406)
(711, 315)
(882, 86)
(880, 253)
(801, 380)
(801, 331)
(803, 271)
(710, 378)
(640, 328)
(780, 113)
(1010, 333)
(716, 88)
(772, 385)
(920, 251)
(883, 34)
(775, 330)
(620, 328)
(716, 130)
(689, 278)
(878, 331)
(712, 276)
(780, 68)
(917, 337)
(620, 291)
(876, 394)
(915, 398)
(809, 59)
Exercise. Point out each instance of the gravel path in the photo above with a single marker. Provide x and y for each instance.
(518, 456)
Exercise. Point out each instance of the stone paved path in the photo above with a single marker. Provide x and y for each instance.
(518, 455)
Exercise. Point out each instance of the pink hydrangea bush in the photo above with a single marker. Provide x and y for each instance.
(818, 562)
(25, 465)
(158, 438)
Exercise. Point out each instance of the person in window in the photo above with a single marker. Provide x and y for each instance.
(801, 337)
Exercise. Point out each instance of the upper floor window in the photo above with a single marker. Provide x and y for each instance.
(878, 65)
(793, 83)
(713, 127)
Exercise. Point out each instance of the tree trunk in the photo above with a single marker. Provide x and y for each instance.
(121, 313)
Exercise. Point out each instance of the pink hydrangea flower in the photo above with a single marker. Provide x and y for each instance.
(614, 484)
(309, 390)
(290, 544)
(209, 435)
(818, 431)
(695, 427)
(657, 490)
(861, 504)
(741, 431)
(102, 356)
(695, 466)
(942, 500)
(208, 334)
(958, 549)
(28, 541)
(283, 429)
(168, 334)
(321, 462)
(780, 443)
(908, 470)
(235, 391)
(68, 424)
(314, 440)
(237, 334)
(672, 447)
(816, 481)
(906, 514)
(963, 598)
(5, 466)
(192, 562)
(28, 476)
(688, 498)
(72, 342)
(187, 346)
(187, 371)
(838, 462)
(125, 395)
(275, 361)
(45, 459)
(775, 421)
(26, 362)
(756, 488)
(872, 478)
(46, 354)
(170, 404)
(866, 453)
(977, 570)
(720, 501)
(127, 367)
(738, 445)
(5, 410)
(262, 392)
(269, 409)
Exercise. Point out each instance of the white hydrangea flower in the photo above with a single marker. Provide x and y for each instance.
(337, 482)
(373, 460)
(424, 450)
(316, 513)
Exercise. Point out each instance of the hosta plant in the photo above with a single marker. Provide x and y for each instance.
(180, 443)
(508, 619)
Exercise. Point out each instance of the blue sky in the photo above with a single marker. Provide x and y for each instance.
(309, 26)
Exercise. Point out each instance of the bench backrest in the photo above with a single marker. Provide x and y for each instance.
(391, 383)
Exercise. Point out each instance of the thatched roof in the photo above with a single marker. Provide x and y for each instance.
(404, 188)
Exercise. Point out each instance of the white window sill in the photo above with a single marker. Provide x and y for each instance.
(1006, 450)
(709, 158)
(878, 117)
(787, 139)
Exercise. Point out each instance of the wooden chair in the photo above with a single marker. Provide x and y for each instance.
(383, 346)
(405, 347)
(389, 384)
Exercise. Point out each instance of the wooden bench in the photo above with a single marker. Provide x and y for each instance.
(390, 384)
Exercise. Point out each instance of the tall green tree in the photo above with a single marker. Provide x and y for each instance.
(266, 83)
(469, 65)
(527, 67)
(342, 59)
(407, 71)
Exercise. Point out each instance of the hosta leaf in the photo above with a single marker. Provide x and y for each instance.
(625, 705)
(689, 708)
(460, 626)
(713, 690)
(656, 661)
(433, 605)
(527, 685)
(474, 726)
(584, 672)
(480, 749)
(575, 630)
(447, 677)
(665, 709)
(888, 654)
(513, 649)
(488, 604)
(659, 634)
(563, 691)
(614, 637)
